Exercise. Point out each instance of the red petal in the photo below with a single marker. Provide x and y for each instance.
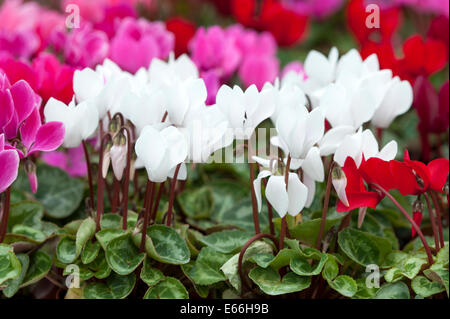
(404, 178)
(435, 56)
(414, 50)
(357, 200)
(438, 169)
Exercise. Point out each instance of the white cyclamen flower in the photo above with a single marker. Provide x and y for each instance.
(397, 100)
(245, 110)
(363, 144)
(161, 151)
(291, 201)
(80, 121)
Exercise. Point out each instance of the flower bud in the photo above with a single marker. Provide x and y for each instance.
(113, 126)
(106, 158)
(417, 215)
(119, 155)
(30, 169)
(340, 183)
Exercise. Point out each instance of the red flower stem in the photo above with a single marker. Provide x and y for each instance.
(148, 209)
(244, 249)
(158, 199)
(413, 223)
(100, 182)
(438, 217)
(172, 195)
(5, 215)
(126, 181)
(116, 196)
(433, 221)
(325, 206)
(251, 167)
(89, 172)
(283, 220)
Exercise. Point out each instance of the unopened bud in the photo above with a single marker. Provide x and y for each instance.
(418, 208)
(113, 126)
(106, 158)
(340, 183)
(30, 169)
(445, 189)
(119, 155)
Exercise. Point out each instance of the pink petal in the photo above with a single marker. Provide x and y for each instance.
(49, 137)
(24, 99)
(6, 107)
(30, 127)
(9, 163)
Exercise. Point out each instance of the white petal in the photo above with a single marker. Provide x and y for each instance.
(313, 165)
(369, 144)
(318, 67)
(350, 147)
(297, 193)
(389, 152)
(333, 138)
(87, 84)
(151, 149)
(311, 185)
(257, 187)
(276, 194)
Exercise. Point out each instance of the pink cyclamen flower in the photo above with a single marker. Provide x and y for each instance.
(259, 69)
(83, 47)
(20, 44)
(9, 162)
(137, 42)
(21, 124)
(215, 49)
(296, 67)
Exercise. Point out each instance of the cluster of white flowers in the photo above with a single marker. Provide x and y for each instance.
(166, 105)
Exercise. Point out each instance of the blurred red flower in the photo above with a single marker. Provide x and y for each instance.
(183, 30)
(287, 26)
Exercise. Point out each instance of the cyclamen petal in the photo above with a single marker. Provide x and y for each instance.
(49, 137)
(257, 187)
(277, 195)
(9, 162)
(297, 194)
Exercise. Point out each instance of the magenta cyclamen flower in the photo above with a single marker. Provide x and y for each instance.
(83, 47)
(137, 42)
(21, 124)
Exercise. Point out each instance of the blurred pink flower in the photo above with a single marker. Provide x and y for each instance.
(72, 161)
(259, 69)
(83, 47)
(212, 82)
(215, 49)
(18, 16)
(318, 9)
(439, 7)
(20, 44)
(137, 42)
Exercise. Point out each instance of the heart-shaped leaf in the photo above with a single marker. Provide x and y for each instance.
(302, 267)
(426, 288)
(90, 252)
(345, 285)
(12, 285)
(106, 235)
(58, 192)
(122, 255)
(330, 269)
(150, 275)
(206, 270)
(269, 281)
(165, 245)
(396, 290)
(40, 264)
(169, 288)
(197, 203)
(115, 287)
(10, 266)
(364, 248)
(227, 241)
(66, 250)
(85, 232)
